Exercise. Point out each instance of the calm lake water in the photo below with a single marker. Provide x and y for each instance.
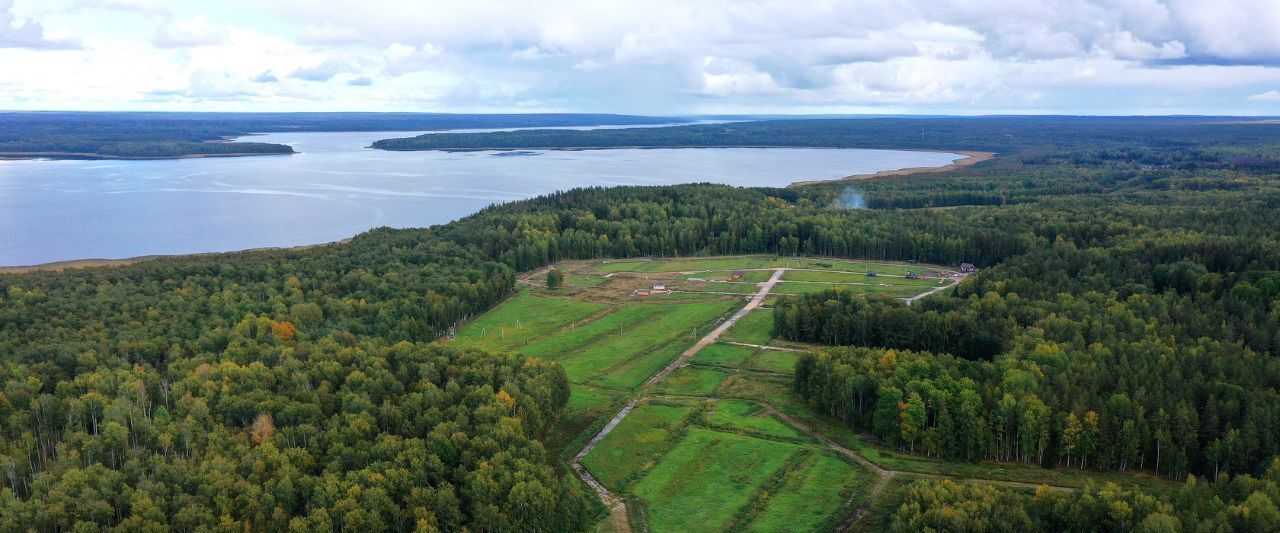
(336, 188)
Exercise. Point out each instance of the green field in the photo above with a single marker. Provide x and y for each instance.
(855, 277)
(706, 478)
(719, 286)
(751, 417)
(755, 328)
(635, 445)
(758, 262)
(723, 355)
(776, 361)
(751, 276)
(888, 289)
(692, 380)
(537, 316)
(811, 495)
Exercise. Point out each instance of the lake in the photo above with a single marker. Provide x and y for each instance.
(336, 188)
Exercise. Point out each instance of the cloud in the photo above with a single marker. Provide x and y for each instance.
(134, 6)
(659, 56)
(1269, 96)
(324, 71)
(329, 33)
(191, 32)
(403, 59)
(27, 33)
(1124, 45)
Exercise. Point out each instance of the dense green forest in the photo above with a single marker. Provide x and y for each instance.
(1243, 504)
(1031, 136)
(1125, 318)
(165, 135)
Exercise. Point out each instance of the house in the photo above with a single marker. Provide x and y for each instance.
(736, 275)
(912, 275)
(967, 267)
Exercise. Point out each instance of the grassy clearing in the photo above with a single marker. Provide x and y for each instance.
(566, 342)
(719, 286)
(755, 328)
(749, 416)
(853, 277)
(812, 495)
(692, 380)
(615, 352)
(706, 478)
(750, 262)
(750, 276)
(636, 444)
(538, 316)
(801, 287)
(775, 361)
(639, 368)
(723, 355)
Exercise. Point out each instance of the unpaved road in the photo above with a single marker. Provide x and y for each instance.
(618, 508)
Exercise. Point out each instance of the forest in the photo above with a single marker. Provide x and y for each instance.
(1125, 317)
(1028, 136)
(158, 135)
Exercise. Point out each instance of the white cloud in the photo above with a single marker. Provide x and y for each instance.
(27, 33)
(1124, 45)
(402, 58)
(195, 31)
(658, 56)
(1269, 96)
(329, 33)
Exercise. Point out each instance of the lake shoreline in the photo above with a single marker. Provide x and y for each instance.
(73, 264)
(971, 158)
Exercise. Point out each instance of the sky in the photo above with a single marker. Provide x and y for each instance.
(645, 57)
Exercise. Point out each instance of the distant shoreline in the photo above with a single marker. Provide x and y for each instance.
(971, 158)
(72, 264)
(90, 156)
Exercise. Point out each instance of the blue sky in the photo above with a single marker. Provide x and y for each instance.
(650, 57)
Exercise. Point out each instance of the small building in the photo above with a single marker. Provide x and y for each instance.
(967, 267)
(736, 275)
(871, 274)
(659, 286)
(912, 275)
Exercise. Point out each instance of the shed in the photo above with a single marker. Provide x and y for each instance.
(967, 267)
(659, 286)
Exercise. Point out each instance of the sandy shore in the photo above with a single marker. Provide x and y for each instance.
(971, 158)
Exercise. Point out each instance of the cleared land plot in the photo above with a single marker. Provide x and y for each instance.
(853, 277)
(565, 342)
(752, 276)
(723, 355)
(749, 416)
(538, 315)
(718, 286)
(636, 444)
(632, 347)
(707, 478)
(776, 361)
(693, 381)
(755, 328)
(889, 289)
(752, 262)
(811, 495)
